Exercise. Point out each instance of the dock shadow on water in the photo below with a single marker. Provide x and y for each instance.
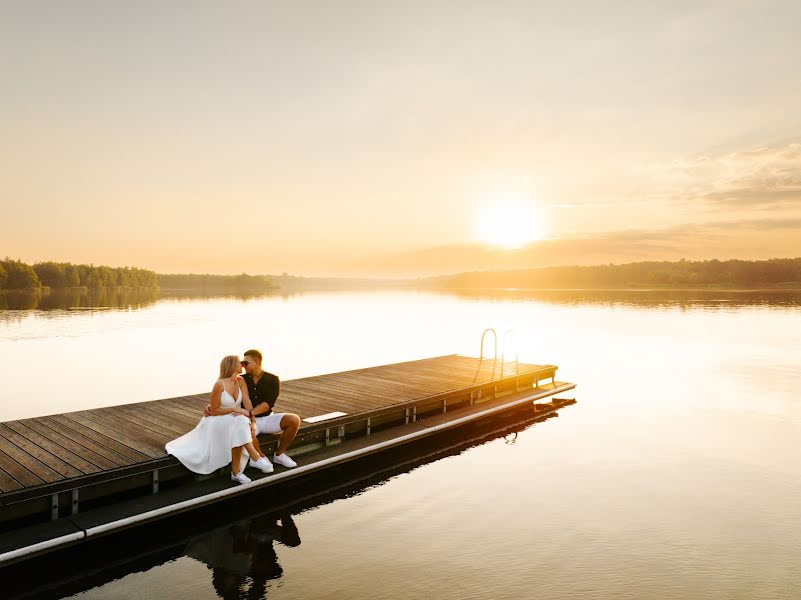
(241, 553)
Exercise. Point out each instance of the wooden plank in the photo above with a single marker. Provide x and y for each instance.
(107, 437)
(367, 390)
(95, 442)
(78, 463)
(186, 411)
(320, 399)
(391, 386)
(8, 483)
(158, 425)
(70, 444)
(25, 460)
(19, 472)
(338, 395)
(175, 420)
(128, 431)
(341, 393)
(129, 444)
(180, 418)
(61, 467)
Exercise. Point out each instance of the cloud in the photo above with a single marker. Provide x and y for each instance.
(759, 178)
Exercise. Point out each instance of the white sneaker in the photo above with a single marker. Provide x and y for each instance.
(284, 460)
(263, 465)
(240, 477)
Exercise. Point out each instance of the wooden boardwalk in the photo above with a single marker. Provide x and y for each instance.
(50, 464)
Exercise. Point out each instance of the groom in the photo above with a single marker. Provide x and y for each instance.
(263, 389)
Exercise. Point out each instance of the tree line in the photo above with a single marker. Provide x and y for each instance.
(216, 282)
(773, 273)
(17, 275)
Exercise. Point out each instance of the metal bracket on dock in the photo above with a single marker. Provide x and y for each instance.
(155, 481)
(74, 508)
(53, 507)
(368, 426)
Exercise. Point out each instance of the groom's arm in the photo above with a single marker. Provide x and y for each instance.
(269, 401)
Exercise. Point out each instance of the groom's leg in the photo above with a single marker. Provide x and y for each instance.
(289, 425)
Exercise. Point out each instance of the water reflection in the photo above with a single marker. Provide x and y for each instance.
(106, 298)
(710, 299)
(127, 298)
(241, 556)
(79, 299)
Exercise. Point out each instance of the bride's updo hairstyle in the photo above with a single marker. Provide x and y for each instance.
(228, 366)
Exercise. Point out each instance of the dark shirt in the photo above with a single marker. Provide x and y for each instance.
(266, 390)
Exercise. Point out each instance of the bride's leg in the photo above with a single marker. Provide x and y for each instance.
(254, 439)
(251, 451)
(236, 455)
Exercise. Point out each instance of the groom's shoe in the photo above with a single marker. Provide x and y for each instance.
(263, 465)
(284, 460)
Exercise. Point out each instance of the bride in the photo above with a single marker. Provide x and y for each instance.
(219, 439)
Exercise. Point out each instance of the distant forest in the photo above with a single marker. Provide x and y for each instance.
(773, 273)
(17, 275)
(216, 283)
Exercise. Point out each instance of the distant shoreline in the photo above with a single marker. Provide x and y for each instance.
(613, 289)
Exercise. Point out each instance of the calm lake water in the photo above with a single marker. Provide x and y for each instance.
(676, 475)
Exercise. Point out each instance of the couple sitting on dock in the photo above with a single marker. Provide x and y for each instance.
(241, 408)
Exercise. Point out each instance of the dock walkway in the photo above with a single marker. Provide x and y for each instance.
(61, 465)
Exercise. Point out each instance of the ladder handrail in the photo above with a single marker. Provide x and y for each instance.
(495, 336)
(503, 353)
(481, 357)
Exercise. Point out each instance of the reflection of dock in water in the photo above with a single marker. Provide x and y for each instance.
(81, 568)
(99, 471)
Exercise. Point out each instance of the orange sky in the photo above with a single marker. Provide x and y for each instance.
(364, 138)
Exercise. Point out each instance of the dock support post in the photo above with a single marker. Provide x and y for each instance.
(368, 426)
(74, 508)
(327, 436)
(414, 414)
(53, 507)
(406, 412)
(444, 406)
(155, 481)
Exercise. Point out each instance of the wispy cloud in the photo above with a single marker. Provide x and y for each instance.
(758, 178)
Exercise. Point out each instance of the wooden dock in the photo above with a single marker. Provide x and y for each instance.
(60, 474)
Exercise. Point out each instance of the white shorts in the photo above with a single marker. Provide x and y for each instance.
(269, 424)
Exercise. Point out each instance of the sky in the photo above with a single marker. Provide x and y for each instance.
(398, 138)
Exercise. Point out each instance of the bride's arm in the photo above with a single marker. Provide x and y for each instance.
(245, 395)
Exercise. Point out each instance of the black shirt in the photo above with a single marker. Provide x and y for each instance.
(266, 390)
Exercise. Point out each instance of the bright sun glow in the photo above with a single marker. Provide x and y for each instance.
(510, 224)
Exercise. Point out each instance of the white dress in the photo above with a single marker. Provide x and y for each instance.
(208, 446)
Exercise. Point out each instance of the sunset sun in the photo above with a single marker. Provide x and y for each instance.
(510, 224)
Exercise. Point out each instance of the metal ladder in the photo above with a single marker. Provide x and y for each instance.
(495, 354)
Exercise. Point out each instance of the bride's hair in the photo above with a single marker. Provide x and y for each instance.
(228, 366)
